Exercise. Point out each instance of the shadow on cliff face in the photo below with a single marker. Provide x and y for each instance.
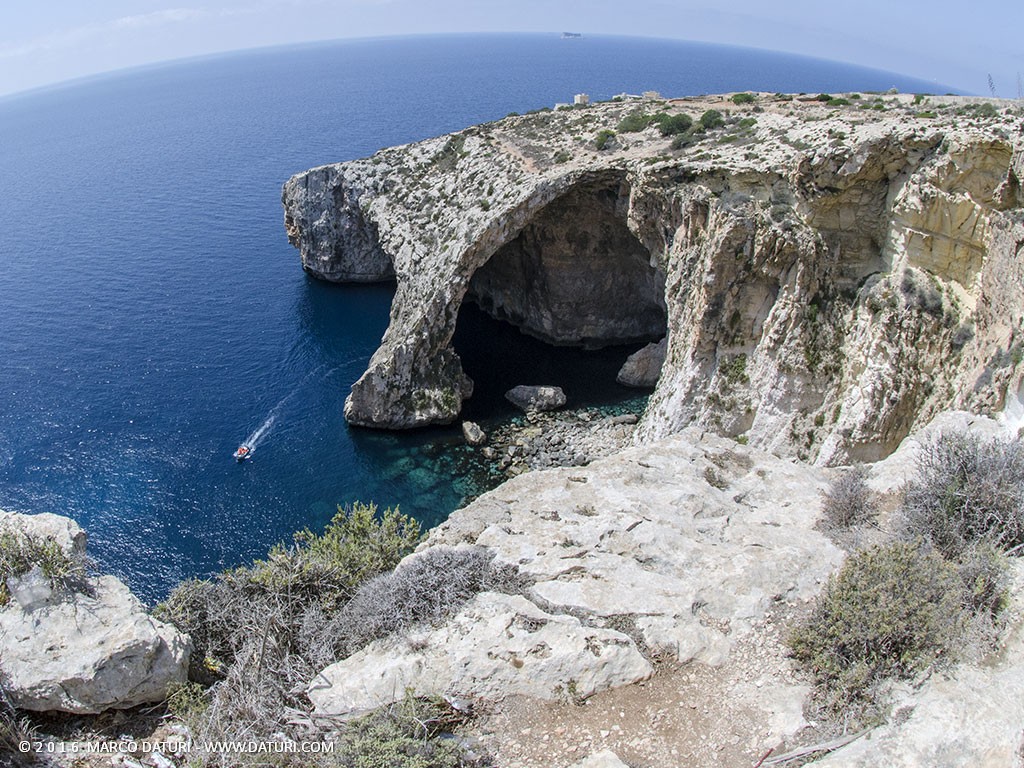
(497, 356)
(577, 293)
(576, 275)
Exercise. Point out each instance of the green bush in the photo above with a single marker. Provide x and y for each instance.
(743, 98)
(602, 138)
(406, 735)
(966, 490)
(261, 633)
(562, 156)
(712, 119)
(892, 611)
(633, 122)
(286, 592)
(20, 553)
(826, 97)
(673, 125)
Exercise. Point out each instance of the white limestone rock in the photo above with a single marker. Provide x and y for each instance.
(643, 367)
(822, 302)
(496, 646)
(64, 531)
(603, 759)
(688, 535)
(82, 652)
(536, 398)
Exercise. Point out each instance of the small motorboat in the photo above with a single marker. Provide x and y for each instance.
(243, 453)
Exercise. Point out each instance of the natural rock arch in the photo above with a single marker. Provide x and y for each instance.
(576, 275)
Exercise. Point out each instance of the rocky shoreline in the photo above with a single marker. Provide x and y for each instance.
(570, 438)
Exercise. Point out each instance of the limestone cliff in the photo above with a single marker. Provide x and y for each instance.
(828, 275)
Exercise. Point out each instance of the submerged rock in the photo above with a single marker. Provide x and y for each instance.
(82, 650)
(536, 398)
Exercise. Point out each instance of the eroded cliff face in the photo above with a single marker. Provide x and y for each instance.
(827, 277)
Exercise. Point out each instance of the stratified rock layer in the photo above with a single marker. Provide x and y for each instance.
(828, 278)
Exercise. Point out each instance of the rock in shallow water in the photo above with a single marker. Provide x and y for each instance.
(536, 398)
(473, 433)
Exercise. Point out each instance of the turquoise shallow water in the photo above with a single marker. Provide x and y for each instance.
(153, 315)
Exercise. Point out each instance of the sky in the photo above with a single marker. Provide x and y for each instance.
(954, 44)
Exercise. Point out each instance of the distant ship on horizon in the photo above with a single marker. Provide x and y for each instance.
(571, 35)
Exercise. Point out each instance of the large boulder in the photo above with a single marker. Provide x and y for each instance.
(643, 367)
(539, 398)
(496, 646)
(84, 650)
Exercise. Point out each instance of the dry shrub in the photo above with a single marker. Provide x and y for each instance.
(891, 611)
(432, 586)
(966, 489)
(262, 633)
(408, 734)
(849, 501)
(15, 729)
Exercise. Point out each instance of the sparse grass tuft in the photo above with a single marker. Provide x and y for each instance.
(20, 553)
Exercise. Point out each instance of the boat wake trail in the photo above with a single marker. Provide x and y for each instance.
(260, 433)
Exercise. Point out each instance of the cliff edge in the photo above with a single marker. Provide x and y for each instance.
(829, 274)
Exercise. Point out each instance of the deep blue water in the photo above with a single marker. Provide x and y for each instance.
(153, 315)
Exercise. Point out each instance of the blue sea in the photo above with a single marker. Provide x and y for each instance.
(153, 315)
